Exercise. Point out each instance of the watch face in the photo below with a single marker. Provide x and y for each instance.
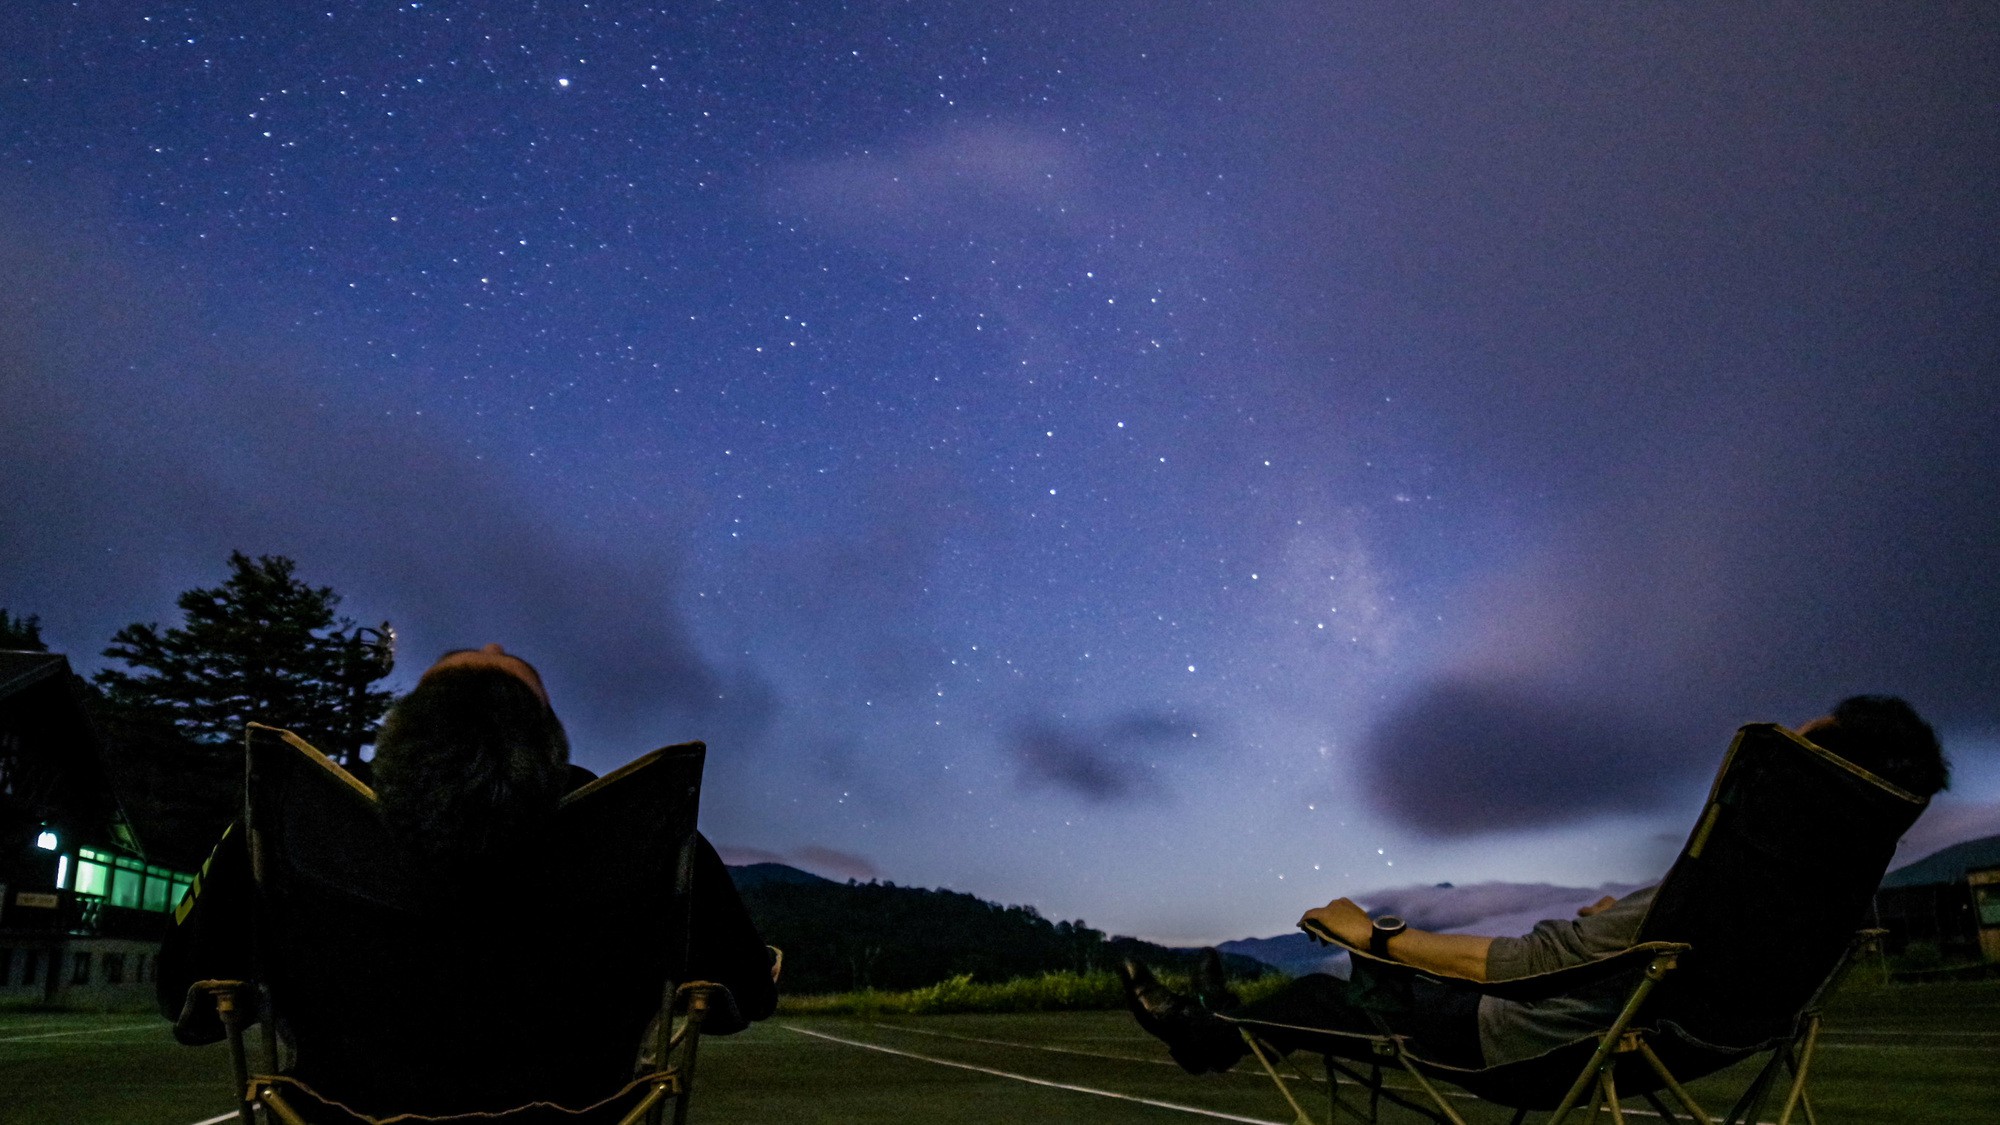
(1390, 924)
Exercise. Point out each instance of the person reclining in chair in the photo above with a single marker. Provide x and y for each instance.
(1455, 1025)
(467, 767)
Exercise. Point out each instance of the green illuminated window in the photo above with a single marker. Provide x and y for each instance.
(1988, 899)
(129, 882)
(92, 878)
(126, 886)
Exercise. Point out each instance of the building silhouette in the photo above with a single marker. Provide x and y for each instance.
(82, 911)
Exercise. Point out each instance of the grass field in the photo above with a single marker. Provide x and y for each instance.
(1922, 1053)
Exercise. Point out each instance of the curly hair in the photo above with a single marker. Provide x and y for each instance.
(1885, 736)
(468, 762)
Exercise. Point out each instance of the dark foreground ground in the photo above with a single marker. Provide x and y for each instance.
(1913, 1053)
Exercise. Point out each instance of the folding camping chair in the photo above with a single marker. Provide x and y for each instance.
(1745, 939)
(520, 996)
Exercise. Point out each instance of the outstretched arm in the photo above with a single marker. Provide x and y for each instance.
(1456, 955)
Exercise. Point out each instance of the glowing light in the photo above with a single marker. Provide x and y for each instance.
(62, 873)
(46, 841)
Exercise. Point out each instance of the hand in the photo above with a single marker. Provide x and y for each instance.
(1601, 904)
(1344, 920)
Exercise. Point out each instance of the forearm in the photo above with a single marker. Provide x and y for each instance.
(1456, 955)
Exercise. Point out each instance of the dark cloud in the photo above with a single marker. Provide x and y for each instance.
(163, 444)
(1712, 357)
(1460, 757)
(1110, 761)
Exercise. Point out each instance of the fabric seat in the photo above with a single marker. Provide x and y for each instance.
(1746, 937)
(521, 989)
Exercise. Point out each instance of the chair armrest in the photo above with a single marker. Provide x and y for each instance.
(1537, 986)
(214, 1009)
(706, 1000)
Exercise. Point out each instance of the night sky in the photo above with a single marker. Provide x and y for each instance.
(1169, 463)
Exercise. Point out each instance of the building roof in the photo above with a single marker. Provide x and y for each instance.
(56, 744)
(20, 670)
(1948, 865)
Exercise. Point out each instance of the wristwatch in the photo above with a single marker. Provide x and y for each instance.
(1385, 927)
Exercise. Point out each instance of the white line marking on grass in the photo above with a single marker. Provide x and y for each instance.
(1296, 1077)
(218, 1119)
(1948, 1034)
(1982, 1048)
(1030, 1079)
(87, 1031)
(1027, 1046)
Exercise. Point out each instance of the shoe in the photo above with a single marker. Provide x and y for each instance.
(1196, 1039)
(1211, 987)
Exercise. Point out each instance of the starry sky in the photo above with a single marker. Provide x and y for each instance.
(1170, 463)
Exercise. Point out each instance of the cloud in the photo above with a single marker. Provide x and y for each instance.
(1460, 757)
(978, 177)
(835, 864)
(1948, 821)
(1014, 216)
(743, 857)
(1109, 761)
(829, 862)
(150, 440)
(1497, 905)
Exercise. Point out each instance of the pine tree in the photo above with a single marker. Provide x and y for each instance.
(21, 633)
(262, 646)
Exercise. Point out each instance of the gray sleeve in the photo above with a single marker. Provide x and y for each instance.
(1560, 942)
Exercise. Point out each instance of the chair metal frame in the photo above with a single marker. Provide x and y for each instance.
(1636, 1038)
(1595, 1081)
(265, 1088)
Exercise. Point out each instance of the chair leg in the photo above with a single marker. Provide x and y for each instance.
(1336, 1102)
(1444, 1110)
(1381, 1091)
(646, 1110)
(1799, 1068)
(1674, 1087)
(1611, 1097)
(1659, 1107)
(1751, 1105)
(1747, 1107)
(1298, 1111)
(1613, 1035)
(691, 1044)
(226, 1000)
(281, 1109)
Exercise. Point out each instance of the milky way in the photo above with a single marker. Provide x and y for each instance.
(1168, 463)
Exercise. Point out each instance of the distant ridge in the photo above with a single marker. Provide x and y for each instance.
(1295, 954)
(840, 936)
(1947, 865)
(752, 875)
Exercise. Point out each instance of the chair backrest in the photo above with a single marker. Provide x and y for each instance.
(1771, 886)
(531, 979)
